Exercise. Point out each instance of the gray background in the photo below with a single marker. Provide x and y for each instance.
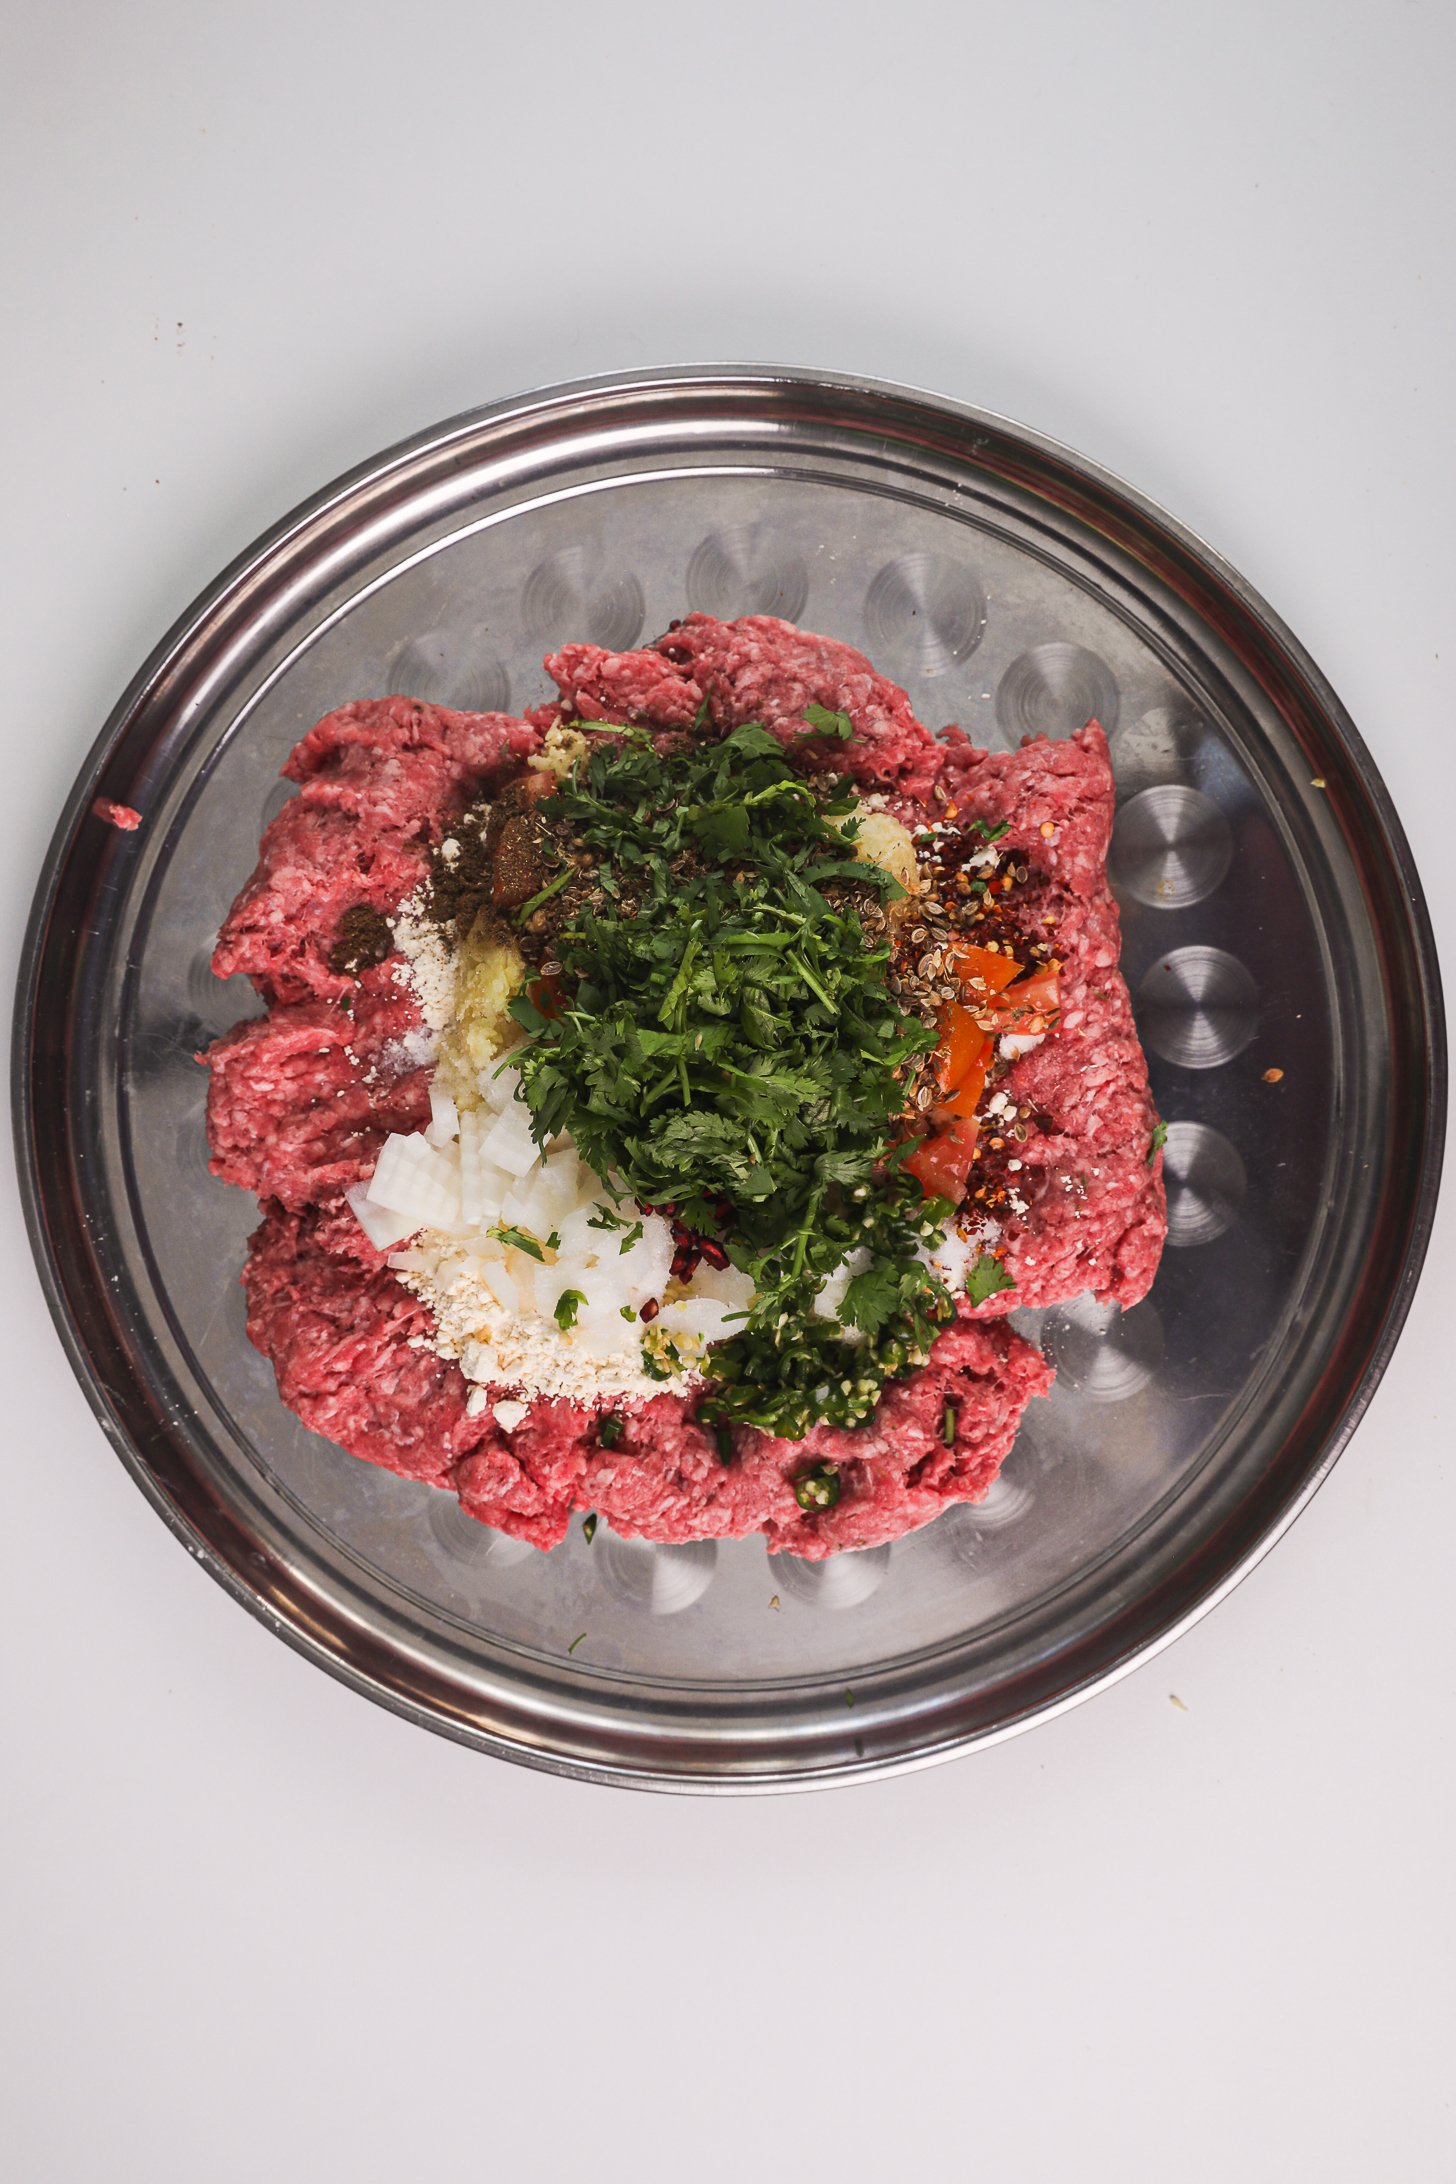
(1197, 1929)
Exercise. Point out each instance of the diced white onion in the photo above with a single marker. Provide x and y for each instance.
(518, 1207)
(700, 1317)
(725, 1284)
(413, 1179)
(509, 1143)
(500, 1282)
(444, 1117)
(601, 1331)
(383, 1228)
(558, 1187)
(483, 1186)
(572, 1273)
(579, 1240)
(498, 1089)
(644, 1267)
(524, 1270)
(509, 1415)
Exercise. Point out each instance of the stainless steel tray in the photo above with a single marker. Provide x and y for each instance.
(1273, 922)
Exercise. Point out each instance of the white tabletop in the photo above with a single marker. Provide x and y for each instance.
(1200, 1928)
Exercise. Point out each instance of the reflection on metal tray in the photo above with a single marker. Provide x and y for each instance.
(1272, 920)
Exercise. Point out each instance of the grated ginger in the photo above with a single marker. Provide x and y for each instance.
(481, 1030)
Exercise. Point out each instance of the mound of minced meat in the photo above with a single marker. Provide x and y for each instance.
(358, 1066)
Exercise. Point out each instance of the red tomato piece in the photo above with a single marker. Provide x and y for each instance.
(964, 1047)
(988, 964)
(971, 1090)
(1031, 1003)
(941, 1162)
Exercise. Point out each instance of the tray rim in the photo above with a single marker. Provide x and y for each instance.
(1100, 486)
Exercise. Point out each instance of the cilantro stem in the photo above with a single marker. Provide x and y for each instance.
(553, 887)
(809, 979)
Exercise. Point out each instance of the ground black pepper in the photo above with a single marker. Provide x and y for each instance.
(363, 939)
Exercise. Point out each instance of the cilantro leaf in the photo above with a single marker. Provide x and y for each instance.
(721, 829)
(825, 723)
(987, 1278)
(1159, 1140)
(752, 741)
(568, 1304)
(519, 1240)
(871, 1298)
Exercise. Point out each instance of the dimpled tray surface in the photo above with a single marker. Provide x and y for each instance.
(1272, 924)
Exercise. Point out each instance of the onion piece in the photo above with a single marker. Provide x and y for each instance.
(413, 1179)
(444, 1123)
(383, 1228)
(509, 1143)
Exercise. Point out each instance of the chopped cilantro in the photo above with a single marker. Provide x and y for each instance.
(948, 1425)
(520, 1240)
(589, 1528)
(732, 1053)
(825, 723)
(1159, 1140)
(989, 833)
(987, 1278)
(568, 1304)
(633, 1236)
(609, 1432)
(552, 887)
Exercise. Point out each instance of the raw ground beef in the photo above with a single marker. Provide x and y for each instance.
(301, 1099)
(379, 783)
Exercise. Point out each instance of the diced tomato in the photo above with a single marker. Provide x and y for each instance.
(941, 1161)
(1032, 1002)
(971, 1090)
(963, 1047)
(988, 964)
